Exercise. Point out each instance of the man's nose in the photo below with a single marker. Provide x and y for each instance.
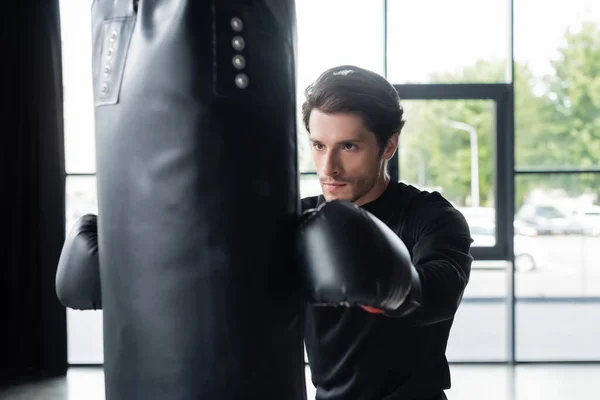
(330, 165)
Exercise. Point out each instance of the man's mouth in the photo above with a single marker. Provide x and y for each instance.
(334, 185)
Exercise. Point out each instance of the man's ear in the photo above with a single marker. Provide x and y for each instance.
(391, 146)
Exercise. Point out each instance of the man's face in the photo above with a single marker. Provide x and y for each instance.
(347, 156)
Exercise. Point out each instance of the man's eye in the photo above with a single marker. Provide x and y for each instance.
(318, 146)
(349, 146)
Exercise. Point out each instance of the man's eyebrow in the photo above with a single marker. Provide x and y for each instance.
(353, 140)
(356, 140)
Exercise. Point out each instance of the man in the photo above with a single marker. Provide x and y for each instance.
(377, 351)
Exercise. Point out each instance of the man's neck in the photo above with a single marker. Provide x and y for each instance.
(375, 192)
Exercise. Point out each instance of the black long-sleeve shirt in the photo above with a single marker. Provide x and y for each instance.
(356, 355)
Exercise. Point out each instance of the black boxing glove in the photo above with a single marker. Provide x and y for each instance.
(348, 257)
(78, 274)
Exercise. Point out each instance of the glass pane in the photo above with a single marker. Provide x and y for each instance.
(489, 280)
(311, 390)
(447, 146)
(489, 382)
(305, 160)
(557, 219)
(329, 35)
(479, 331)
(310, 186)
(84, 328)
(551, 330)
(85, 339)
(78, 103)
(80, 198)
(557, 94)
(438, 41)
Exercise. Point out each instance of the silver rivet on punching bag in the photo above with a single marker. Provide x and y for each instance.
(113, 36)
(109, 53)
(239, 62)
(107, 69)
(105, 88)
(238, 43)
(241, 81)
(237, 24)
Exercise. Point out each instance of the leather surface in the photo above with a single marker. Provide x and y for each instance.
(78, 272)
(348, 257)
(198, 200)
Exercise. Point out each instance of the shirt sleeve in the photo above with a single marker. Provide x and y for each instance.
(442, 259)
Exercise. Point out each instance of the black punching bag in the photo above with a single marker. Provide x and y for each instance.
(198, 198)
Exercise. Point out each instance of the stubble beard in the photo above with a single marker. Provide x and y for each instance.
(358, 187)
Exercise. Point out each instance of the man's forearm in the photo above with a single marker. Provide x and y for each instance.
(437, 296)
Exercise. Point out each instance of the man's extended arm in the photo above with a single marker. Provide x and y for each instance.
(350, 258)
(442, 259)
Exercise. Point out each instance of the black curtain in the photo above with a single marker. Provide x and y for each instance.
(32, 321)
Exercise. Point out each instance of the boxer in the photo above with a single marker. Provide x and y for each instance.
(385, 264)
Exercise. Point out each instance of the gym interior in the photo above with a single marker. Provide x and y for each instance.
(502, 109)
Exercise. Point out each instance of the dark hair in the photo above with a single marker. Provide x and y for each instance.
(355, 90)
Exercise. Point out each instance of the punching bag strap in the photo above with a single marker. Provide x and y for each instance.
(111, 44)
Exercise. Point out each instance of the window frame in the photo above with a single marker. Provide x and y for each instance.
(502, 164)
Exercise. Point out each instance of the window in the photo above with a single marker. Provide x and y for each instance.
(447, 145)
(451, 65)
(78, 105)
(453, 142)
(558, 231)
(81, 198)
(557, 180)
(84, 329)
(557, 219)
(556, 89)
(438, 41)
(332, 33)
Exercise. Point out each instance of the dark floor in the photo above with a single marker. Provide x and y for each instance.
(53, 388)
(470, 382)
